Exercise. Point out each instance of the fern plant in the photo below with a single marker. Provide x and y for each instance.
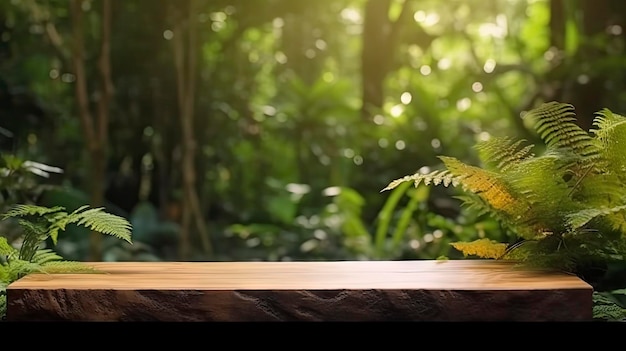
(39, 224)
(565, 205)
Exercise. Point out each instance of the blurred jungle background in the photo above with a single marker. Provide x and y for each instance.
(265, 129)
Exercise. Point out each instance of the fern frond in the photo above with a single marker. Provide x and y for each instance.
(67, 267)
(35, 234)
(578, 219)
(555, 123)
(503, 152)
(486, 184)
(95, 219)
(6, 249)
(604, 308)
(20, 210)
(483, 248)
(4, 275)
(610, 131)
(18, 268)
(45, 256)
(437, 177)
(3, 306)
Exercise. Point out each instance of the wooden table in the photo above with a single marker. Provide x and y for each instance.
(429, 290)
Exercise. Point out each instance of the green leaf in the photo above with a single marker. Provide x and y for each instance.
(21, 210)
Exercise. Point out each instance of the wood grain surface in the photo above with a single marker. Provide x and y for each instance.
(314, 291)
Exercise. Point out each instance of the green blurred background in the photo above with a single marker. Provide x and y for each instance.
(265, 129)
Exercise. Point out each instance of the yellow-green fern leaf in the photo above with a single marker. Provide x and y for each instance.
(483, 248)
(486, 184)
(67, 267)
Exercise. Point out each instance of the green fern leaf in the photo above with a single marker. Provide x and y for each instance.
(95, 219)
(555, 123)
(35, 234)
(98, 220)
(45, 256)
(3, 306)
(580, 218)
(610, 131)
(604, 308)
(30, 210)
(18, 268)
(4, 275)
(503, 152)
(6, 249)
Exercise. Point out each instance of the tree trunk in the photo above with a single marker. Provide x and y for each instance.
(381, 37)
(95, 131)
(374, 55)
(185, 61)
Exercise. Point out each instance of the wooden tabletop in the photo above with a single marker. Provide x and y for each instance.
(426, 274)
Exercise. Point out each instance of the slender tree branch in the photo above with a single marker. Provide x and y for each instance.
(104, 65)
(78, 58)
(56, 40)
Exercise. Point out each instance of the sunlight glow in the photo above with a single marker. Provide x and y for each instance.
(397, 111)
(435, 143)
(278, 22)
(425, 70)
(477, 87)
(489, 66)
(168, 34)
(406, 98)
(348, 153)
(444, 64)
(299, 189)
(463, 104)
(415, 244)
(379, 120)
(320, 44)
(328, 77)
(425, 19)
(280, 57)
(351, 15)
(484, 136)
(615, 29)
(400, 145)
(383, 143)
(495, 30)
(218, 16)
(331, 191)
